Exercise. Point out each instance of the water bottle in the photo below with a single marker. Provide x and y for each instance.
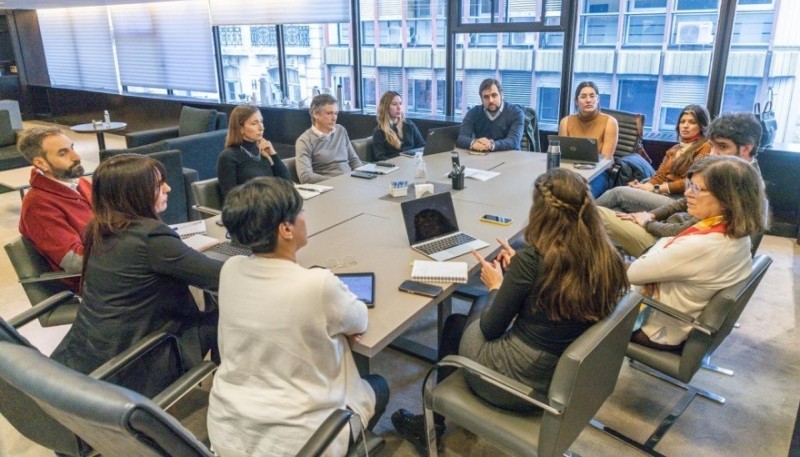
(339, 93)
(553, 154)
(420, 170)
(106, 119)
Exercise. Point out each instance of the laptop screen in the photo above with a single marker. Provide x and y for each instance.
(577, 149)
(429, 217)
(441, 139)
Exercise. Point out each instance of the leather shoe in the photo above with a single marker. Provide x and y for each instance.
(412, 427)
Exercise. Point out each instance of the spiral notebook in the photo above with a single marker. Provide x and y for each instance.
(432, 271)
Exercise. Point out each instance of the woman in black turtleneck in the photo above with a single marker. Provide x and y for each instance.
(247, 154)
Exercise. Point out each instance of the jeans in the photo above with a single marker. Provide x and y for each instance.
(631, 200)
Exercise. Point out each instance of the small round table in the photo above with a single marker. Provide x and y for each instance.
(99, 129)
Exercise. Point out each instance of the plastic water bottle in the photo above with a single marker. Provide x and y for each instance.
(553, 154)
(420, 170)
(106, 119)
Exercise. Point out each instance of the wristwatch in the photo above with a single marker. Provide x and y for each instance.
(657, 189)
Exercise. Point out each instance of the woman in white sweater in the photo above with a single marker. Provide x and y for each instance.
(685, 271)
(283, 334)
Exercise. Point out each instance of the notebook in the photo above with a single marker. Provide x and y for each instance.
(577, 149)
(428, 271)
(307, 190)
(432, 228)
(225, 250)
(188, 229)
(441, 140)
(379, 168)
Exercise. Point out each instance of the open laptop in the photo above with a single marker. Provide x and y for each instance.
(575, 149)
(442, 139)
(433, 230)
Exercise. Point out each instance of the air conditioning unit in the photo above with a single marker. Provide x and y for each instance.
(695, 32)
(523, 39)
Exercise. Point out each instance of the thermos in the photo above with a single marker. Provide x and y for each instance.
(553, 154)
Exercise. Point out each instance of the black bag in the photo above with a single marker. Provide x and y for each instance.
(769, 125)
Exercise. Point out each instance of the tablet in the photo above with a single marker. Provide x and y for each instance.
(361, 284)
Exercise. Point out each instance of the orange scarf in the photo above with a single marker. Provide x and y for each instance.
(714, 224)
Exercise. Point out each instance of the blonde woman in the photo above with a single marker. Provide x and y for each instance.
(394, 132)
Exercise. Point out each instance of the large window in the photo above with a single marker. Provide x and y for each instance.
(250, 64)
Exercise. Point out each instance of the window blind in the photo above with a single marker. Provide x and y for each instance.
(78, 49)
(233, 12)
(165, 45)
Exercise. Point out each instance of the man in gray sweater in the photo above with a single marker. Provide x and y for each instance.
(730, 134)
(324, 150)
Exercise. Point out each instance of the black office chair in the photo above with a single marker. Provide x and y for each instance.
(292, 166)
(40, 282)
(584, 377)
(113, 420)
(158, 352)
(363, 147)
(709, 330)
(208, 197)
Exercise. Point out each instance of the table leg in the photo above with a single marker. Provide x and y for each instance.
(101, 141)
(362, 363)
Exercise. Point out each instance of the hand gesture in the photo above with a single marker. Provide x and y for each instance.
(265, 148)
(491, 273)
(505, 255)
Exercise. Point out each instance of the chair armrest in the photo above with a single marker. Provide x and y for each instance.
(50, 276)
(184, 384)
(141, 347)
(135, 139)
(206, 210)
(675, 314)
(326, 433)
(41, 308)
(190, 175)
(499, 380)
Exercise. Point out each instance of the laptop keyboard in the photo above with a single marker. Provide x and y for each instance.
(445, 243)
(229, 249)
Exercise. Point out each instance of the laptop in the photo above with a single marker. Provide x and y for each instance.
(433, 230)
(442, 139)
(576, 149)
(225, 250)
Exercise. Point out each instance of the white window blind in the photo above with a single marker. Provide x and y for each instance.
(165, 45)
(77, 46)
(234, 12)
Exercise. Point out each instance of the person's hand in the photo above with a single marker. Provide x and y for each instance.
(491, 273)
(265, 148)
(647, 187)
(642, 218)
(633, 183)
(505, 255)
(625, 216)
(356, 338)
(482, 144)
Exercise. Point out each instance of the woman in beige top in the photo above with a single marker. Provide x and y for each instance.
(589, 122)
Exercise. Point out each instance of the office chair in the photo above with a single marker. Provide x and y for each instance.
(530, 131)
(113, 420)
(709, 330)
(631, 129)
(363, 147)
(154, 352)
(40, 282)
(292, 166)
(584, 377)
(208, 197)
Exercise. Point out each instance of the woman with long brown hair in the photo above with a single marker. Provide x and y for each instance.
(568, 277)
(668, 182)
(394, 132)
(136, 272)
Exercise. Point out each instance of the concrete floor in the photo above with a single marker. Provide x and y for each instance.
(757, 419)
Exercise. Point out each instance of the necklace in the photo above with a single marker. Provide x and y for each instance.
(256, 157)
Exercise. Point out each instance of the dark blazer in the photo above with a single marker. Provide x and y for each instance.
(382, 150)
(137, 283)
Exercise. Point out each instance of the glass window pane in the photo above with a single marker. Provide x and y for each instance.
(601, 6)
(599, 30)
(697, 4)
(250, 64)
(752, 28)
(638, 96)
(634, 5)
(645, 29)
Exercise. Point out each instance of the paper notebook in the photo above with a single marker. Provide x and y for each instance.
(432, 271)
(381, 168)
(200, 242)
(189, 229)
(311, 190)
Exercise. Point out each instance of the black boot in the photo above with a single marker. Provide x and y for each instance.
(412, 428)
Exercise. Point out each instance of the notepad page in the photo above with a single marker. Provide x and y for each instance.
(432, 271)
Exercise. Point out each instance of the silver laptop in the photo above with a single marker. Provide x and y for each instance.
(576, 149)
(433, 230)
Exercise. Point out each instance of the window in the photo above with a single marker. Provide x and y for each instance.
(547, 108)
(370, 94)
(645, 29)
(598, 30)
(419, 96)
(368, 33)
(752, 28)
(252, 51)
(389, 33)
(636, 5)
(689, 5)
(496, 11)
(601, 6)
(638, 96)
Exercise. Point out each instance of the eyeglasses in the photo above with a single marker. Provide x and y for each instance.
(692, 187)
(346, 261)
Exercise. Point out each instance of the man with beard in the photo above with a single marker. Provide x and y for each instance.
(494, 125)
(58, 206)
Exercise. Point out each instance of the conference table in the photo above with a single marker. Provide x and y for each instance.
(358, 218)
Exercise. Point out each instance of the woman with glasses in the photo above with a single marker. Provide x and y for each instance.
(394, 132)
(726, 194)
(136, 272)
(541, 297)
(285, 334)
(247, 153)
(668, 182)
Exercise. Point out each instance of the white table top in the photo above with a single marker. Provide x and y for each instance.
(353, 219)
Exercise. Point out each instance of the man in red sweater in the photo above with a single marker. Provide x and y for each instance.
(58, 206)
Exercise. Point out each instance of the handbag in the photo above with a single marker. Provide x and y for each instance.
(769, 125)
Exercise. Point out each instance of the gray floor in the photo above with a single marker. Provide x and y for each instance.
(757, 420)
